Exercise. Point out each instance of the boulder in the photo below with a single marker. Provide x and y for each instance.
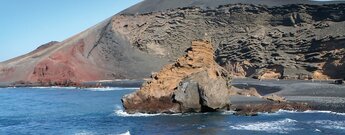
(202, 93)
(187, 94)
(194, 83)
(339, 82)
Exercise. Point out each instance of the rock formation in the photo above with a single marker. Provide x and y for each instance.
(194, 83)
(266, 39)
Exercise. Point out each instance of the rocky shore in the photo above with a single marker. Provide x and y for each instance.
(194, 83)
(318, 95)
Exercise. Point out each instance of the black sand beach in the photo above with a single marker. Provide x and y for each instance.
(320, 95)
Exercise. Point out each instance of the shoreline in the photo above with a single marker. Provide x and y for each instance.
(319, 95)
(91, 84)
(243, 83)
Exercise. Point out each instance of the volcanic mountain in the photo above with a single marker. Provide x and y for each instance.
(286, 39)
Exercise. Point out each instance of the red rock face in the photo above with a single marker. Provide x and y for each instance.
(98, 53)
(66, 64)
(49, 70)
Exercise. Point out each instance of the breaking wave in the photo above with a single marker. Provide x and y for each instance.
(120, 112)
(281, 126)
(330, 112)
(228, 112)
(330, 124)
(308, 111)
(126, 133)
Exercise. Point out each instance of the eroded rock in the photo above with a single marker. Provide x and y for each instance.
(194, 83)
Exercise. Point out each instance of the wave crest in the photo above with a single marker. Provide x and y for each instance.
(281, 126)
(120, 112)
(308, 111)
(126, 133)
(125, 114)
(331, 124)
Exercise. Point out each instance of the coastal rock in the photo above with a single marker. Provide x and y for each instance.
(187, 94)
(250, 92)
(254, 109)
(275, 98)
(211, 94)
(194, 83)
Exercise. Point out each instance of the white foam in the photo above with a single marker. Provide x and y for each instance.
(281, 126)
(308, 111)
(201, 127)
(279, 112)
(126, 133)
(84, 133)
(228, 112)
(120, 112)
(287, 111)
(330, 112)
(125, 114)
(330, 124)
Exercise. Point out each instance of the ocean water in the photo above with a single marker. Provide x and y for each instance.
(71, 111)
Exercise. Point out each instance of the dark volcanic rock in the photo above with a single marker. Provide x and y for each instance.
(187, 94)
(254, 109)
(338, 82)
(297, 41)
(199, 93)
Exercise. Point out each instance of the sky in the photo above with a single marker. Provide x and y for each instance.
(27, 24)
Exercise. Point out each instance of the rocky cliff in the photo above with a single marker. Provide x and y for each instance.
(270, 39)
(284, 42)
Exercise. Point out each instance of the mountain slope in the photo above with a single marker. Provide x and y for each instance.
(147, 6)
(95, 54)
(264, 41)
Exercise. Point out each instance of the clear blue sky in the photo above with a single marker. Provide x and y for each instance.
(26, 24)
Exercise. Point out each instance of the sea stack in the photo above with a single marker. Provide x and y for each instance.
(194, 83)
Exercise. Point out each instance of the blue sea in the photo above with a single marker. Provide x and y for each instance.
(71, 111)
